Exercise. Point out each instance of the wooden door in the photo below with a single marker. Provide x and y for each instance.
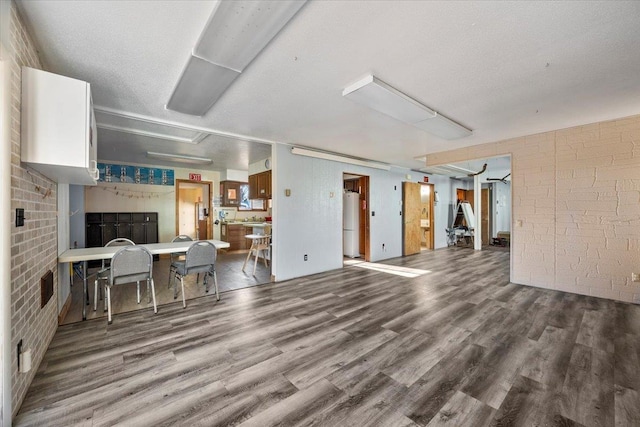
(484, 214)
(411, 209)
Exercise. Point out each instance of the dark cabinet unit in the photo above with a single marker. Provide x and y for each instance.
(141, 227)
(230, 192)
(260, 185)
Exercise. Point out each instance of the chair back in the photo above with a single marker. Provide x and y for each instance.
(120, 241)
(201, 256)
(131, 264)
(174, 256)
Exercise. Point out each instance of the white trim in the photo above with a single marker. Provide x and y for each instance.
(148, 119)
(151, 134)
(5, 238)
(338, 158)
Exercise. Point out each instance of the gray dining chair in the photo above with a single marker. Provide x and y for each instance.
(200, 258)
(103, 273)
(178, 256)
(131, 264)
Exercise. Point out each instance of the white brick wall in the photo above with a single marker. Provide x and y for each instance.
(577, 193)
(34, 246)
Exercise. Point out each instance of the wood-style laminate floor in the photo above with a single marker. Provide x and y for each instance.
(454, 344)
(124, 299)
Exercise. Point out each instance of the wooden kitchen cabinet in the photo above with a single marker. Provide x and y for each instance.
(230, 192)
(253, 186)
(234, 235)
(260, 185)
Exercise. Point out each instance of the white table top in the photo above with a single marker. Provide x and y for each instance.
(88, 254)
(255, 236)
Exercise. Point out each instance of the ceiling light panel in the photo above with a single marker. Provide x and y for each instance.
(443, 127)
(121, 122)
(376, 94)
(236, 33)
(200, 86)
(238, 30)
(380, 96)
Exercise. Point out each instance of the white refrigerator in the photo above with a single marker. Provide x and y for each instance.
(351, 225)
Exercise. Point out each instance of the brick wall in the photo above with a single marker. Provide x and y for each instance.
(577, 194)
(34, 246)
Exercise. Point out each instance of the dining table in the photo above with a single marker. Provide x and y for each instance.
(84, 255)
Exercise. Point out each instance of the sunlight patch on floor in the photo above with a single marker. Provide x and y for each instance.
(385, 268)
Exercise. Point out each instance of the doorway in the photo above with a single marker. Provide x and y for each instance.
(193, 206)
(418, 217)
(427, 198)
(355, 224)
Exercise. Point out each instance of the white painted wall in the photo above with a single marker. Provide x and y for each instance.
(77, 217)
(257, 167)
(103, 198)
(310, 220)
(442, 209)
(502, 206)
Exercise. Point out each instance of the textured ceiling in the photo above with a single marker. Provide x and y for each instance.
(503, 69)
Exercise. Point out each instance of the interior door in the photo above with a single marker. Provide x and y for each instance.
(411, 211)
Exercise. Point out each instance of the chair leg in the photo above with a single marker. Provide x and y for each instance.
(175, 285)
(95, 295)
(148, 293)
(264, 254)
(255, 263)
(153, 293)
(215, 282)
(184, 302)
(138, 291)
(108, 298)
(246, 260)
(104, 294)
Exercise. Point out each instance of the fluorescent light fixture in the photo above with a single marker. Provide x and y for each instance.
(378, 95)
(237, 31)
(200, 86)
(338, 158)
(179, 158)
(235, 34)
(443, 127)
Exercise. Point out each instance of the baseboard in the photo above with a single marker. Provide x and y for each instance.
(65, 309)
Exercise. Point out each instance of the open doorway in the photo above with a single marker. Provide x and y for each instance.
(355, 224)
(193, 206)
(418, 217)
(494, 210)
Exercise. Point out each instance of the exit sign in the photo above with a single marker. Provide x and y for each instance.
(195, 177)
(426, 179)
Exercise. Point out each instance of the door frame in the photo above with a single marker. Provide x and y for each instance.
(364, 185)
(210, 204)
(432, 214)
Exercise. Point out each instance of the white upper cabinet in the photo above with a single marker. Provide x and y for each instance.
(59, 135)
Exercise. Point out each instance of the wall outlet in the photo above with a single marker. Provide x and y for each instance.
(383, 248)
(635, 277)
(306, 257)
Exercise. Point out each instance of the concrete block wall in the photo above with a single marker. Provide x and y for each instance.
(34, 246)
(576, 206)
